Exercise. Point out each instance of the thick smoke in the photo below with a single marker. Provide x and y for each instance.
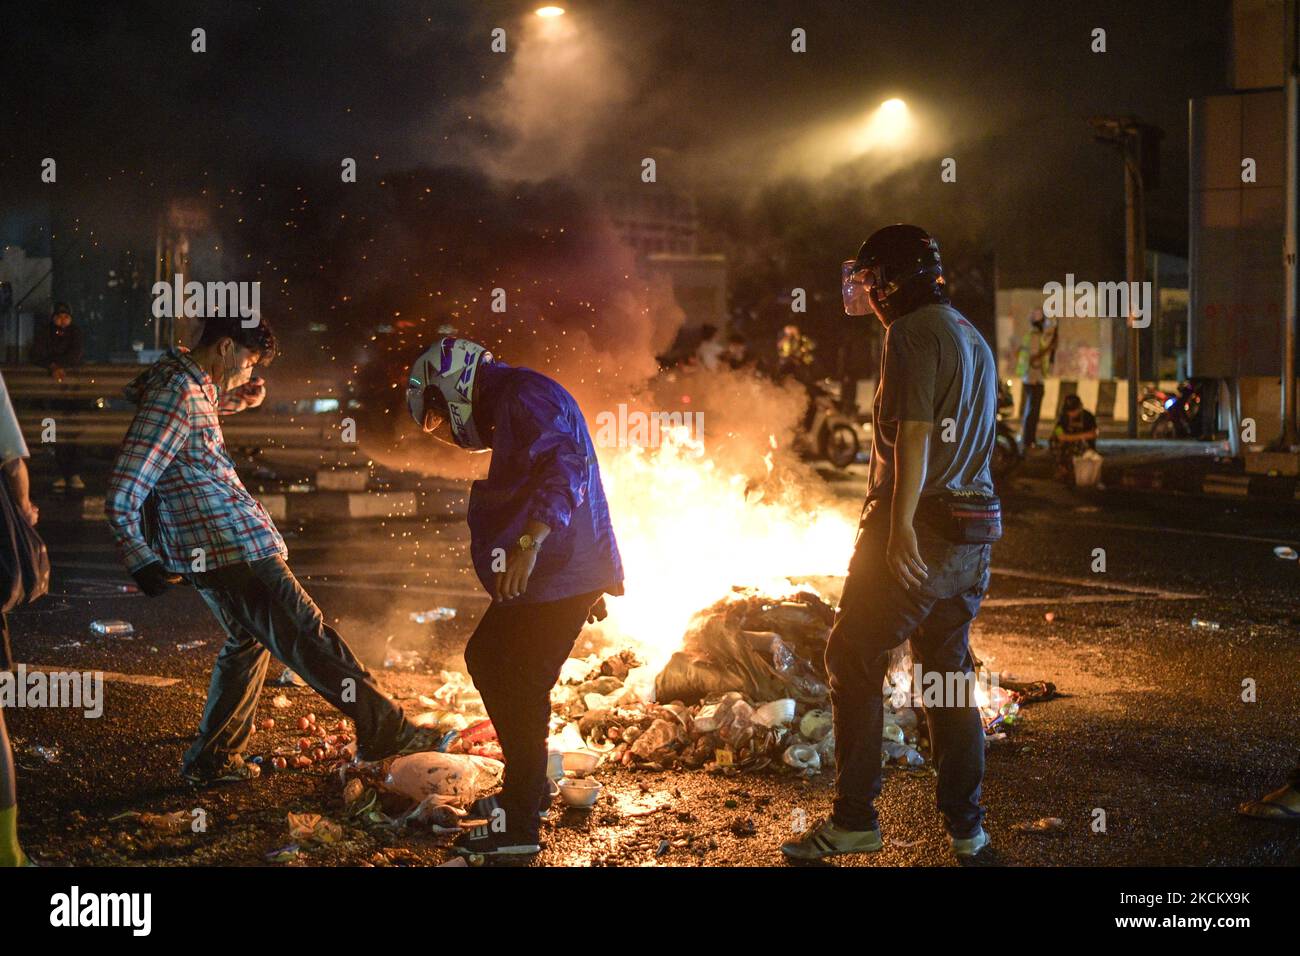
(563, 88)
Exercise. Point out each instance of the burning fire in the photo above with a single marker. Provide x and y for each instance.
(690, 530)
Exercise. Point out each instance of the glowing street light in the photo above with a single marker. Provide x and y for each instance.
(888, 125)
(548, 12)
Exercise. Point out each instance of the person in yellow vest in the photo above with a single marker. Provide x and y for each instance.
(1035, 365)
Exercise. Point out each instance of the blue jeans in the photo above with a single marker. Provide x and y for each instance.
(876, 615)
(1032, 403)
(266, 613)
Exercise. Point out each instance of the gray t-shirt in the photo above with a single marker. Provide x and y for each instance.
(937, 368)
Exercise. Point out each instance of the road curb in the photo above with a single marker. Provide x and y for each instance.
(293, 507)
(1271, 487)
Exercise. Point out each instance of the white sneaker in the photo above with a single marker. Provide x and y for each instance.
(76, 484)
(60, 484)
(970, 846)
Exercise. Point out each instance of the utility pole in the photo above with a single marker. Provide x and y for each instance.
(1135, 247)
(1138, 144)
(1288, 439)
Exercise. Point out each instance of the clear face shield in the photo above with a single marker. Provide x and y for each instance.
(437, 416)
(854, 287)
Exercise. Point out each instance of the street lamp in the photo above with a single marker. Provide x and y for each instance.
(889, 124)
(548, 12)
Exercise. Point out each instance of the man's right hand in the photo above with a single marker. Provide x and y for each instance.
(29, 511)
(154, 579)
(903, 557)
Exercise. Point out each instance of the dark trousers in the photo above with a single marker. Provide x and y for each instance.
(265, 612)
(1032, 402)
(67, 453)
(876, 615)
(67, 456)
(514, 657)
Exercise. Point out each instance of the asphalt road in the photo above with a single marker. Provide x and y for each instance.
(1151, 730)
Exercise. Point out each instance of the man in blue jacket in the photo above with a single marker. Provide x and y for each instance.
(543, 546)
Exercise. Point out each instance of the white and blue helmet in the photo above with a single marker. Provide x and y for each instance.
(442, 381)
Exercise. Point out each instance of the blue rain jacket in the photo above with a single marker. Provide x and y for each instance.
(543, 468)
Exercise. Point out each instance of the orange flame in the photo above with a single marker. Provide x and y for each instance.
(689, 531)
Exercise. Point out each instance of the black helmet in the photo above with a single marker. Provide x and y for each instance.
(895, 258)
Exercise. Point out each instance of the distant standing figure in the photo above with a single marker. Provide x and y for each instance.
(57, 346)
(1036, 360)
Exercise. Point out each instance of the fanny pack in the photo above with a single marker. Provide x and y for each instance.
(963, 517)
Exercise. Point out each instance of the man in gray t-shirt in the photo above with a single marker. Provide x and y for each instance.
(937, 370)
(911, 578)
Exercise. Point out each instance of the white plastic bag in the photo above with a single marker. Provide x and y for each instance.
(1087, 469)
(452, 779)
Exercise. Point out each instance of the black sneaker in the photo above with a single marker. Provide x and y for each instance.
(482, 809)
(483, 842)
(234, 770)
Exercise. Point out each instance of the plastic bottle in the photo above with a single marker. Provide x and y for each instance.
(433, 615)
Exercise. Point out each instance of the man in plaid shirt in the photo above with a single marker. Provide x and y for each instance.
(179, 512)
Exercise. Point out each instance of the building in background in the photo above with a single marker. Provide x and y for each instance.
(25, 297)
(662, 227)
(1238, 192)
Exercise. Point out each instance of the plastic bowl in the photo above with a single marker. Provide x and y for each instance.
(581, 762)
(580, 793)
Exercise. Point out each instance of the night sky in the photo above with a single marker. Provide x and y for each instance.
(711, 90)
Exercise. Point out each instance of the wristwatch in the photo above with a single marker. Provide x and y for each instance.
(528, 543)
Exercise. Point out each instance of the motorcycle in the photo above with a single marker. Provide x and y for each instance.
(828, 432)
(1007, 453)
(1179, 415)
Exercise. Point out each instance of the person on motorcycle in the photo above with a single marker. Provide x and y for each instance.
(794, 354)
(1075, 433)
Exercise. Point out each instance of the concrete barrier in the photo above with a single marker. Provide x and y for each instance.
(1105, 398)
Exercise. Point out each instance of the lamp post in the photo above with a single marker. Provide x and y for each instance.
(1138, 143)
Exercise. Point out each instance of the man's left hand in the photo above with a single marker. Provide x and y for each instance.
(513, 581)
(598, 611)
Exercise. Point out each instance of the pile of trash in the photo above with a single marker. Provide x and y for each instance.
(743, 692)
(747, 690)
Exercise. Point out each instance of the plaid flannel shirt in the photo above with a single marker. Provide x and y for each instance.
(175, 447)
